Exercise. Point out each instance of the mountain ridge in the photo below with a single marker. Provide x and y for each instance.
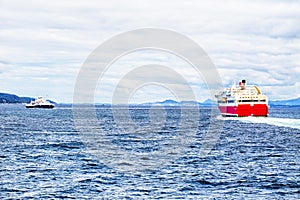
(14, 99)
(288, 102)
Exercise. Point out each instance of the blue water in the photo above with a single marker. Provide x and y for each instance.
(42, 156)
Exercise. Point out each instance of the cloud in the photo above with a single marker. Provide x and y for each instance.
(43, 44)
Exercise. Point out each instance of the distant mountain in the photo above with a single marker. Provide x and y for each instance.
(208, 102)
(289, 102)
(12, 98)
(170, 102)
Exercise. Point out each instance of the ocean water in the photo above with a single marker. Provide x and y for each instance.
(43, 156)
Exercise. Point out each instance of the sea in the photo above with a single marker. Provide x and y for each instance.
(45, 155)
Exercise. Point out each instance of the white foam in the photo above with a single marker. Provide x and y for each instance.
(285, 122)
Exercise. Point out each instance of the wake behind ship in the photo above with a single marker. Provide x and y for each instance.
(242, 101)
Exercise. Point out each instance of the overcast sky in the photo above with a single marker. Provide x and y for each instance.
(44, 44)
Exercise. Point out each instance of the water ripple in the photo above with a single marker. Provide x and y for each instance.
(42, 157)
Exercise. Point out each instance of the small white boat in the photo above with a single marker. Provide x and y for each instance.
(40, 102)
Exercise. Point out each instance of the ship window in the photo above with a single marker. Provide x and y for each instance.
(245, 100)
(230, 101)
(262, 100)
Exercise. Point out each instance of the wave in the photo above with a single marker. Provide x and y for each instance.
(285, 122)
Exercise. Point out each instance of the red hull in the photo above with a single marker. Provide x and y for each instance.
(245, 110)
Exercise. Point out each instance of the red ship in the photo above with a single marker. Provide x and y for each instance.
(242, 101)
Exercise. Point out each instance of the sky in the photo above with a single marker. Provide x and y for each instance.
(45, 43)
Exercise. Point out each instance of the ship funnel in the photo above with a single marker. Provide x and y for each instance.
(243, 84)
